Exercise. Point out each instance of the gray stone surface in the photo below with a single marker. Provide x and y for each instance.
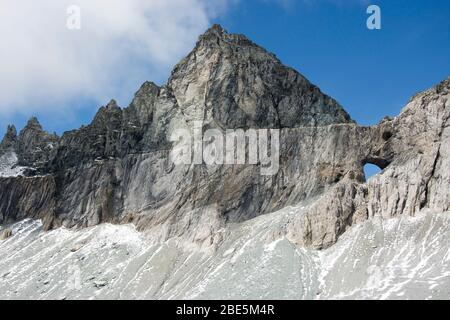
(399, 258)
(5, 234)
(117, 169)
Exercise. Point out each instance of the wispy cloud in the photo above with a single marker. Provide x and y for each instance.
(43, 64)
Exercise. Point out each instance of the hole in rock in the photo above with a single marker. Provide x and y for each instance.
(370, 170)
(387, 135)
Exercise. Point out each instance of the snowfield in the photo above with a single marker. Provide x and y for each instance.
(401, 258)
(8, 167)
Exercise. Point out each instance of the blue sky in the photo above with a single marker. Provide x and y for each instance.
(371, 73)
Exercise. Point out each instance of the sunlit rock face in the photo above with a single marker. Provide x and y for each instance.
(230, 82)
(118, 170)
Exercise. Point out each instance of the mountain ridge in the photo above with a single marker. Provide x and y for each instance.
(117, 168)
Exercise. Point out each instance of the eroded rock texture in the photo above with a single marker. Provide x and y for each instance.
(117, 169)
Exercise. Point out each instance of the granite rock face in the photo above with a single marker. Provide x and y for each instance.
(118, 169)
(229, 82)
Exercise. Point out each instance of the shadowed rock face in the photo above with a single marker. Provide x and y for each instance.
(10, 139)
(117, 169)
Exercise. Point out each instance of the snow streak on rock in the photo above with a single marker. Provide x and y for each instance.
(8, 165)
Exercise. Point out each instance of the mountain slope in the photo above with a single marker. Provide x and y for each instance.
(399, 258)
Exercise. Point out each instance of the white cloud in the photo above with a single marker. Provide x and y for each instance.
(121, 43)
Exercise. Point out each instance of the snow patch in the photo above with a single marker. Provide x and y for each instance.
(271, 246)
(401, 258)
(8, 165)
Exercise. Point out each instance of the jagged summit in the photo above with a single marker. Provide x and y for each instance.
(215, 29)
(9, 139)
(237, 83)
(442, 88)
(112, 104)
(34, 123)
(217, 35)
(226, 81)
(229, 82)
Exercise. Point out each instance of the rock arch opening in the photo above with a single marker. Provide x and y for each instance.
(370, 170)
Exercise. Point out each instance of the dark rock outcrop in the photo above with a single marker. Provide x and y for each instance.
(25, 197)
(34, 145)
(9, 140)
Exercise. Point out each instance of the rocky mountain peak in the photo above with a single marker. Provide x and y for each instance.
(214, 32)
(148, 86)
(33, 124)
(112, 105)
(443, 87)
(217, 36)
(9, 139)
(34, 144)
(227, 81)
(11, 130)
(141, 108)
(215, 28)
(33, 130)
(107, 114)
